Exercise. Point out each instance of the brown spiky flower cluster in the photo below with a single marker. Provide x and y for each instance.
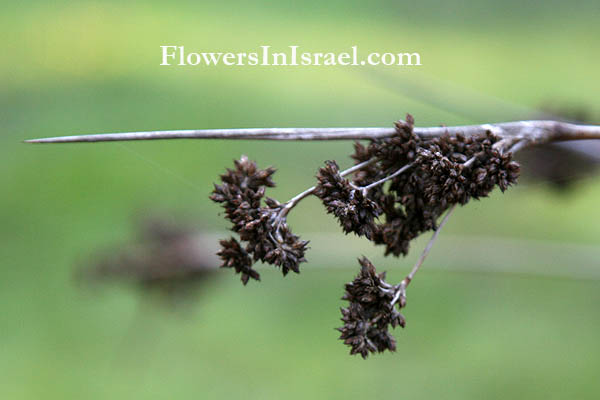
(401, 186)
(355, 211)
(436, 173)
(372, 310)
(265, 236)
(235, 256)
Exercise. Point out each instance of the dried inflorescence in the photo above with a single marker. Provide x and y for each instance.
(436, 173)
(265, 234)
(235, 256)
(372, 310)
(355, 211)
(401, 186)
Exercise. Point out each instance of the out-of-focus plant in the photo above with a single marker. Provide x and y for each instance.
(165, 258)
(562, 165)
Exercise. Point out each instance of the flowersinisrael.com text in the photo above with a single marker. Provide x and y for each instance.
(292, 56)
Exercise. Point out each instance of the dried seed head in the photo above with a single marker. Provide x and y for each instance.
(444, 171)
(371, 311)
(355, 211)
(234, 256)
(267, 237)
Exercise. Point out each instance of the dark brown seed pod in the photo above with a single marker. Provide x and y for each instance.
(371, 311)
(355, 211)
(234, 256)
(267, 237)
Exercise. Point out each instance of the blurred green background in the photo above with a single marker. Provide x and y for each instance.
(507, 307)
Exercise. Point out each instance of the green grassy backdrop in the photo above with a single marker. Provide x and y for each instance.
(91, 67)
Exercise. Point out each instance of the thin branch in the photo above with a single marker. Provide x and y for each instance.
(421, 259)
(383, 180)
(531, 131)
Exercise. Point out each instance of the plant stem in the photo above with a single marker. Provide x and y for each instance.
(533, 131)
(421, 259)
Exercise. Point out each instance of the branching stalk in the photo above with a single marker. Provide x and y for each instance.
(399, 290)
(370, 186)
(421, 259)
(291, 203)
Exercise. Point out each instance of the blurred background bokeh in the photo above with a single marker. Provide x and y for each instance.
(506, 307)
